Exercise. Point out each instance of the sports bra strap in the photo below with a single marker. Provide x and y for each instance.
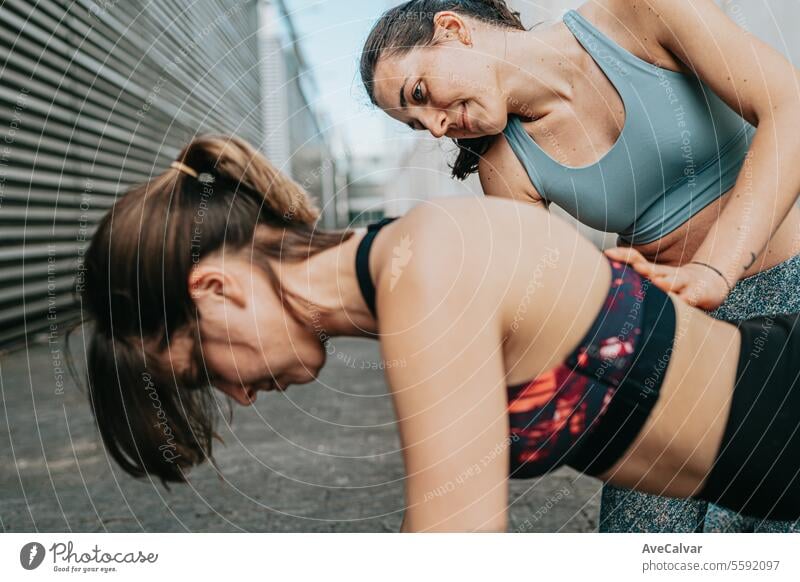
(610, 56)
(362, 261)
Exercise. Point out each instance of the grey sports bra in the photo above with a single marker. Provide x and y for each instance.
(680, 149)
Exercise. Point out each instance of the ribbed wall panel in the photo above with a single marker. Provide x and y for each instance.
(95, 97)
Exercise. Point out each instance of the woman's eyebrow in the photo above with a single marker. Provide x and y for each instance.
(403, 102)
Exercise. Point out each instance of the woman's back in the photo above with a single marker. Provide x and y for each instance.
(476, 295)
(509, 262)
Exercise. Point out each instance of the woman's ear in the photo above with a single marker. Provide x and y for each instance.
(450, 26)
(210, 282)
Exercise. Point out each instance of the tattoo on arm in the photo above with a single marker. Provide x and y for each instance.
(752, 260)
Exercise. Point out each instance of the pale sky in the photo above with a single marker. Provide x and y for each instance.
(331, 33)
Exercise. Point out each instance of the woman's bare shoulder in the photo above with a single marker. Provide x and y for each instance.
(440, 245)
(465, 222)
(473, 245)
(634, 26)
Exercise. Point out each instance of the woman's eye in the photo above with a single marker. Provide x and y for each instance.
(418, 93)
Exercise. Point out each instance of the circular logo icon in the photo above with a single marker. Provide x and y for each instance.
(31, 555)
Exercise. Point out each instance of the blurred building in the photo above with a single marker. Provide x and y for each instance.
(94, 97)
(373, 161)
(299, 138)
(536, 11)
(368, 179)
(422, 172)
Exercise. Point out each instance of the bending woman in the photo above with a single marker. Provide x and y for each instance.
(525, 347)
(637, 118)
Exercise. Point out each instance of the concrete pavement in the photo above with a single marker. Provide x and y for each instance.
(321, 457)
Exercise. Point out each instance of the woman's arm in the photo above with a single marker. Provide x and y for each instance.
(503, 175)
(441, 338)
(756, 80)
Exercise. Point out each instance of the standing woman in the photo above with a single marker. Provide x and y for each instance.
(636, 117)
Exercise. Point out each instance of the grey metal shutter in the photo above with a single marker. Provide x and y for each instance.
(96, 96)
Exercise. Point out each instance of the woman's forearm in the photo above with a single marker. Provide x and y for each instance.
(767, 186)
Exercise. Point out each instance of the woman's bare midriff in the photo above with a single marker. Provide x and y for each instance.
(678, 443)
(679, 246)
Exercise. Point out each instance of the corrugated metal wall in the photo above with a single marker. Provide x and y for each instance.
(95, 96)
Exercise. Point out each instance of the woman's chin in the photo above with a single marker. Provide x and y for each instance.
(305, 377)
(466, 135)
(479, 129)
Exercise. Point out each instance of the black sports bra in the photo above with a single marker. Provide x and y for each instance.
(362, 261)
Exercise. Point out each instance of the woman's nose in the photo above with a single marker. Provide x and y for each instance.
(438, 124)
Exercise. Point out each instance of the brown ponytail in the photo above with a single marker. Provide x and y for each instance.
(410, 25)
(238, 163)
(135, 293)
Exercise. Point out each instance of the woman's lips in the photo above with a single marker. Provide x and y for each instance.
(465, 124)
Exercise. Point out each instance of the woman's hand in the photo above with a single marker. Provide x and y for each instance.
(696, 284)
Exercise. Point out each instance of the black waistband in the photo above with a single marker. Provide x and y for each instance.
(638, 391)
(362, 261)
(756, 471)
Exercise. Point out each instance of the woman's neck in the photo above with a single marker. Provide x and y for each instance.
(538, 71)
(327, 282)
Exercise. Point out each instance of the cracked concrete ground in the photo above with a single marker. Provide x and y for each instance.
(321, 457)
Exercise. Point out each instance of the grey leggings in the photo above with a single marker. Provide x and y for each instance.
(774, 291)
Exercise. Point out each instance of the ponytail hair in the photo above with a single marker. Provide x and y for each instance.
(235, 162)
(156, 416)
(410, 25)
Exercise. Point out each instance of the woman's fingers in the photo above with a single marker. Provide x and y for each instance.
(679, 280)
(662, 270)
(670, 279)
(676, 281)
(640, 264)
(663, 283)
(625, 254)
(631, 256)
